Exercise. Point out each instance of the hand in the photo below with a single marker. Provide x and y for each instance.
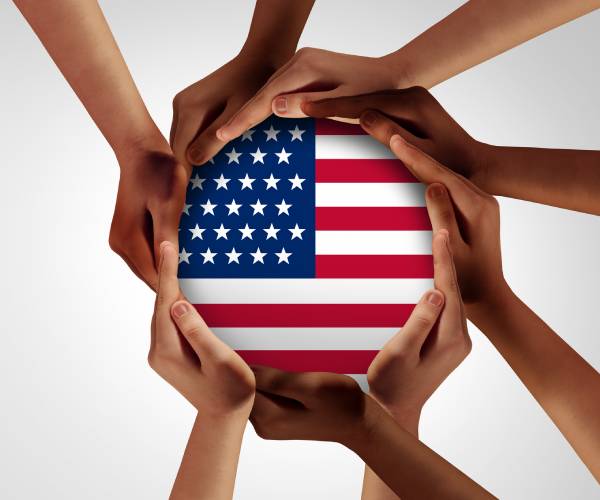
(432, 343)
(189, 356)
(471, 217)
(418, 117)
(200, 109)
(312, 406)
(311, 74)
(148, 208)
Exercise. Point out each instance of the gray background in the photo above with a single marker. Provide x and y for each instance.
(81, 413)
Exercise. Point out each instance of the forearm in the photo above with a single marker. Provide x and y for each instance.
(407, 466)
(373, 487)
(209, 464)
(77, 37)
(276, 28)
(559, 177)
(476, 32)
(562, 382)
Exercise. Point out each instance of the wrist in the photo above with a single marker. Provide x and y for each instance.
(407, 418)
(138, 147)
(482, 163)
(266, 52)
(496, 302)
(399, 71)
(366, 427)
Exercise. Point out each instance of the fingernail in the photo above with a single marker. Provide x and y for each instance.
(281, 105)
(436, 191)
(196, 156)
(435, 299)
(222, 134)
(396, 140)
(369, 118)
(180, 309)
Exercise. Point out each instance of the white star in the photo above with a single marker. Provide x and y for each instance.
(246, 232)
(221, 232)
(271, 133)
(234, 208)
(247, 135)
(283, 156)
(283, 256)
(211, 160)
(271, 232)
(271, 182)
(186, 209)
(258, 208)
(184, 256)
(283, 207)
(258, 256)
(233, 156)
(233, 256)
(296, 182)
(197, 182)
(296, 232)
(222, 182)
(258, 156)
(208, 256)
(209, 208)
(296, 134)
(197, 232)
(246, 182)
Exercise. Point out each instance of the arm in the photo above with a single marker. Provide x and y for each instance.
(476, 32)
(212, 377)
(209, 464)
(152, 184)
(562, 382)
(559, 177)
(200, 109)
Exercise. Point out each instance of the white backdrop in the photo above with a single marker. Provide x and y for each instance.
(81, 413)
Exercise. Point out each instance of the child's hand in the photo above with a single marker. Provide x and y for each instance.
(148, 208)
(432, 343)
(417, 116)
(200, 109)
(189, 356)
(320, 73)
(312, 406)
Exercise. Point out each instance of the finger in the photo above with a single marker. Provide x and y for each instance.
(259, 107)
(186, 130)
(452, 319)
(291, 105)
(136, 250)
(466, 197)
(165, 223)
(168, 292)
(395, 103)
(174, 124)
(441, 211)
(207, 346)
(206, 144)
(411, 337)
(383, 128)
(268, 416)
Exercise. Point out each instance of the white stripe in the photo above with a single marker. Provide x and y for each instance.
(373, 242)
(361, 380)
(293, 339)
(350, 146)
(369, 194)
(304, 291)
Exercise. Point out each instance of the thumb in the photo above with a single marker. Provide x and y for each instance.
(191, 325)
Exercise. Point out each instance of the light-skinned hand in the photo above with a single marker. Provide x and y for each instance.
(310, 75)
(183, 351)
(432, 343)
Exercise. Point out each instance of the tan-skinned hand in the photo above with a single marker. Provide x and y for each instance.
(183, 351)
(310, 75)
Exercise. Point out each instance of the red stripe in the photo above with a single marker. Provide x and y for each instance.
(372, 219)
(362, 170)
(305, 315)
(312, 361)
(324, 126)
(374, 266)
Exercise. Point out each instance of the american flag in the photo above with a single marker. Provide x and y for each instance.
(305, 244)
